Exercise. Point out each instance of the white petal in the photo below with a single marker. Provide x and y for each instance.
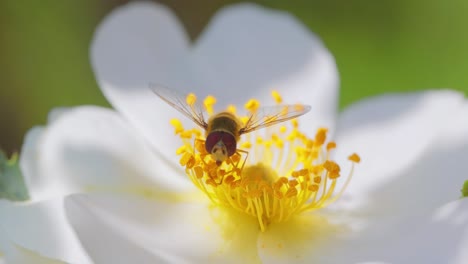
(30, 153)
(33, 229)
(298, 240)
(18, 254)
(440, 236)
(56, 113)
(391, 133)
(138, 44)
(247, 51)
(433, 180)
(92, 148)
(124, 229)
(29, 163)
(276, 53)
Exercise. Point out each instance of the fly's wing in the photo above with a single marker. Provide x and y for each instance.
(271, 115)
(193, 111)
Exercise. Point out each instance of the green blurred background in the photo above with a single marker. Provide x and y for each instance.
(380, 46)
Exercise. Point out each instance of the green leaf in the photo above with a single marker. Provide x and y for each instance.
(12, 184)
(464, 189)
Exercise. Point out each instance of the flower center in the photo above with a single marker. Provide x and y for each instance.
(275, 173)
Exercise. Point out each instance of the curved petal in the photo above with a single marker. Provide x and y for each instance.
(124, 229)
(241, 55)
(29, 163)
(29, 158)
(18, 254)
(391, 133)
(439, 237)
(138, 44)
(431, 181)
(247, 51)
(92, 148)
(38, 231)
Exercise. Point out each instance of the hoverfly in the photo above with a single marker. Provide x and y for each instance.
(223, 130)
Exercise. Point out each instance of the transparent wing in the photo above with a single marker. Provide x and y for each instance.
(174, 99)
(271, 115)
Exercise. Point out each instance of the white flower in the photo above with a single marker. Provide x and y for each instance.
(102, 194)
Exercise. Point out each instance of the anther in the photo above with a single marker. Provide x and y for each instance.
(277, 97)
(252, 105)
(191, 99)
(354, 158)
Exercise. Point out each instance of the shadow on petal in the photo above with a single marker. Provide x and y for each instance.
(298, 240)
(400, 223)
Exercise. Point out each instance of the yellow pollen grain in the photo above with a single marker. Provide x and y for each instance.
(313, 187)
(295, 123)
(178, 127)
(252, 105)
(246, 145)
(321, 136)
(191, 99)
(299, 107)
(244, 119)
(331, 145)
(231, 109)
(209, 102)
(276, 96)
(181, 149)
(354, 158)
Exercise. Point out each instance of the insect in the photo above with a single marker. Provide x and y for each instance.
(223, 130)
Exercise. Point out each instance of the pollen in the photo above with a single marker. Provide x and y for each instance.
(276, 173)
(231, 109)
(209, 102)
(178, 127)
(354, 158)
(191, 99)
(252, 105)
(277, 97)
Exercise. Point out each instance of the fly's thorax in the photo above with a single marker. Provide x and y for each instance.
(224, 121)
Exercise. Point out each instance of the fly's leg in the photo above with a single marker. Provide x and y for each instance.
(245, 159)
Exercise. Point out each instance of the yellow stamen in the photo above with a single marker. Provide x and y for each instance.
(285, 173)
(231, 109)
(331, 145)
(178, 127)
(191, 99)
(209, 102)
(277, 97)
(252, 105)
(355, 158)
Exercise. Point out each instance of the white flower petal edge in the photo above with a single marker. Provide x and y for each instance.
(138, 44)
(391, 133)
(124, 229)
(38, 187)
(239, 56)
(242, 54)
(35, 232)
(93, 149)
(433, 179)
